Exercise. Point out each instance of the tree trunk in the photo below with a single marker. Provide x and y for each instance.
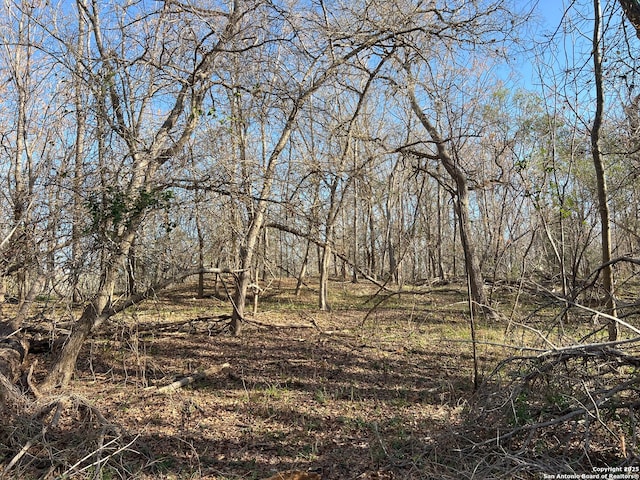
(92, 316)
(244, 276)
(200, 255)
(476, 281)
(265, 254)
(239, 302)
(327, 251)
(303, 269)
(632, 11)
(60, 375)
(131, 271)
(372, 241)
(78, 166)
(458, 175)
(603, 207)
(439, 240)
(323, 303)
(354, 270)
(256, 292)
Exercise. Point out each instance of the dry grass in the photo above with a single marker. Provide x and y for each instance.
(353, 394)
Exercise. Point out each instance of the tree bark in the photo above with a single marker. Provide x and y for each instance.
(372, 264)
(93, 315)
(632, 11)
(303, 269)
(131, 268)
(200, 254)
(603, 198)
(355, 217)
(79, 157)
(244, 277)
(323, 302)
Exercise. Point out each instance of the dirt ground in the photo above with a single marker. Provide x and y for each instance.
(353, 393)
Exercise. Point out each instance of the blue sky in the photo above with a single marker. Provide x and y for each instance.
(552, 11)
(549, 13)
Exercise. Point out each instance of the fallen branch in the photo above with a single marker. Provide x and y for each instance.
(591, 310)
(603, 398)
(272, 326)
(295, 475)
(164, 326)
(586, 347)
(161, 285)
(172, 387)
(21, 454)
(30, 384)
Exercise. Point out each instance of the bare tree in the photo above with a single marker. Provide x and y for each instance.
(341, 179)
(19, 62)
(462, 207)
(603, 197)
(28, 146)
(120, 74)
(326, 59)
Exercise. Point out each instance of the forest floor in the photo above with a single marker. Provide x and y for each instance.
(355, 393)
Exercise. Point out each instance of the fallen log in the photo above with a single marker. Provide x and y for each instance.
(172, 387)
(175, 325)
(295, 475)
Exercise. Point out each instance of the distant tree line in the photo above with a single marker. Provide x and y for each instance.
(378, 141)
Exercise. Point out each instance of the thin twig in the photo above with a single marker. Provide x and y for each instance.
(20, 454)
(101, 460)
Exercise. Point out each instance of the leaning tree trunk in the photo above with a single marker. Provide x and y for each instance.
(456, 173)
(92, 316)
(243, 279)
(303, 269)
(476, 281)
